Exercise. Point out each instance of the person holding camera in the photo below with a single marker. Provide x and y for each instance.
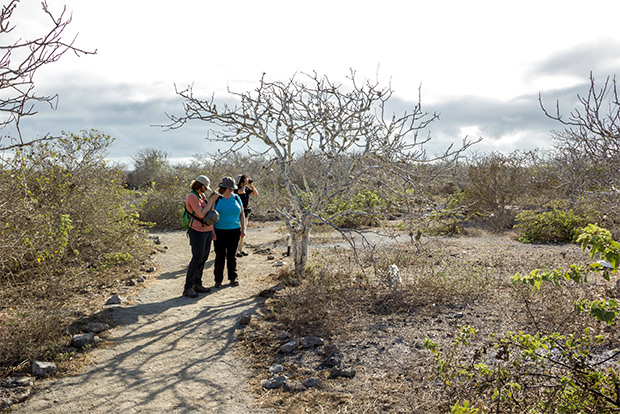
(200, 234)
(227, 231)
(244, 191)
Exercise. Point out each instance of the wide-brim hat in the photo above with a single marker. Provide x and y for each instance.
(204, 180)
(227, 182)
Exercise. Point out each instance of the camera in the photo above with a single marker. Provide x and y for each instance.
(250, 181)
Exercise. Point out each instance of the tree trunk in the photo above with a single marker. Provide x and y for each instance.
(300, 239)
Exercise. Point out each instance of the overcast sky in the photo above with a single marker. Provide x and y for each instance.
(480, 64)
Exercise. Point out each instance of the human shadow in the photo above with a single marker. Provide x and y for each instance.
(182, 272)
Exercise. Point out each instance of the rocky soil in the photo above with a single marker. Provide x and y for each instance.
(168, 353)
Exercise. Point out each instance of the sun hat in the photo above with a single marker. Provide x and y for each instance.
(228, 182)
(204, 180)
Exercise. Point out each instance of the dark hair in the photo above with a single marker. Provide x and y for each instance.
(222, 189)
(196, 185)
(243, 179)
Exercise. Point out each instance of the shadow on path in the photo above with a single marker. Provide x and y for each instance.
(167, 353)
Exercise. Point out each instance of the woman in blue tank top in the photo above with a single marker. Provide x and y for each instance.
(227, 232)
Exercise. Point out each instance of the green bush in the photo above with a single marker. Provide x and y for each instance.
(64, 206)
(64, 217)
(362, 209)
(542, 372)
(555, 225)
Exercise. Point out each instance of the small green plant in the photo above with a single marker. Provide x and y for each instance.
(598, 242)
(519, 372)
(464, 408)
(447, 223)
(555, 225)
(114, 259)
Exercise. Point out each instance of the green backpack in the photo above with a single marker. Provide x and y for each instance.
(185, 219)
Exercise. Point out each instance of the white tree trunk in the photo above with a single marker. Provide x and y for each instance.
(300, 240)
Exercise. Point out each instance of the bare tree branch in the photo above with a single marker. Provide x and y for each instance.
(19, 63)
(595, 125)
(323, 137)
(590, 141)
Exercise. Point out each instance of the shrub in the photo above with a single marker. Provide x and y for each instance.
(162, 203)
(333, 288)
(543, 371)
(363, 209)
(495, 182)
(555, 225)
(63, 215)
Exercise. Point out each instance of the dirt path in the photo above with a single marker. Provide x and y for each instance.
(170, 353)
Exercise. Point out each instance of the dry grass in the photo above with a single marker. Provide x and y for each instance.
(38, 319)
(381, 329)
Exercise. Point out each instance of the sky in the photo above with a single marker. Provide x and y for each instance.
(480, 64)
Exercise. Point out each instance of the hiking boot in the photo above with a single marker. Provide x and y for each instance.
(201, 289)
(234, 282)
(218, 285)
(243, 252)
(190, 293)
(239, 254)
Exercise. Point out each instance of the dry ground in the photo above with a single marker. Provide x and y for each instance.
(381, 330)
(173, 354)
(167, 353)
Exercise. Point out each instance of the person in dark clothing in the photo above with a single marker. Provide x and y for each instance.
(228, 229)
(244, 191)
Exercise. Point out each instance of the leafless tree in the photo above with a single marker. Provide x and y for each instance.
(592, 130)
(322, 138)
(588, 150)
(20, 60)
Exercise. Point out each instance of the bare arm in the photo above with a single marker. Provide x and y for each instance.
(196, 207)
(254, 190)
(242, 221)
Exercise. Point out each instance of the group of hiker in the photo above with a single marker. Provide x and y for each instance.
(226, 229)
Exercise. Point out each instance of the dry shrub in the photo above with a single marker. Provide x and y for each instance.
(495, 183)
(38, 319)
(332, 296)
(29, 330)
(162, 203)
(381, 327)
(66, 229)
(321, 304)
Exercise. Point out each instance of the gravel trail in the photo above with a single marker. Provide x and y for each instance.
(170, 353)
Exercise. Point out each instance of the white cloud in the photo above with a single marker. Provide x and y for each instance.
(479, 62)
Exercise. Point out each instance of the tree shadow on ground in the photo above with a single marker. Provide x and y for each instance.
(166, 337)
